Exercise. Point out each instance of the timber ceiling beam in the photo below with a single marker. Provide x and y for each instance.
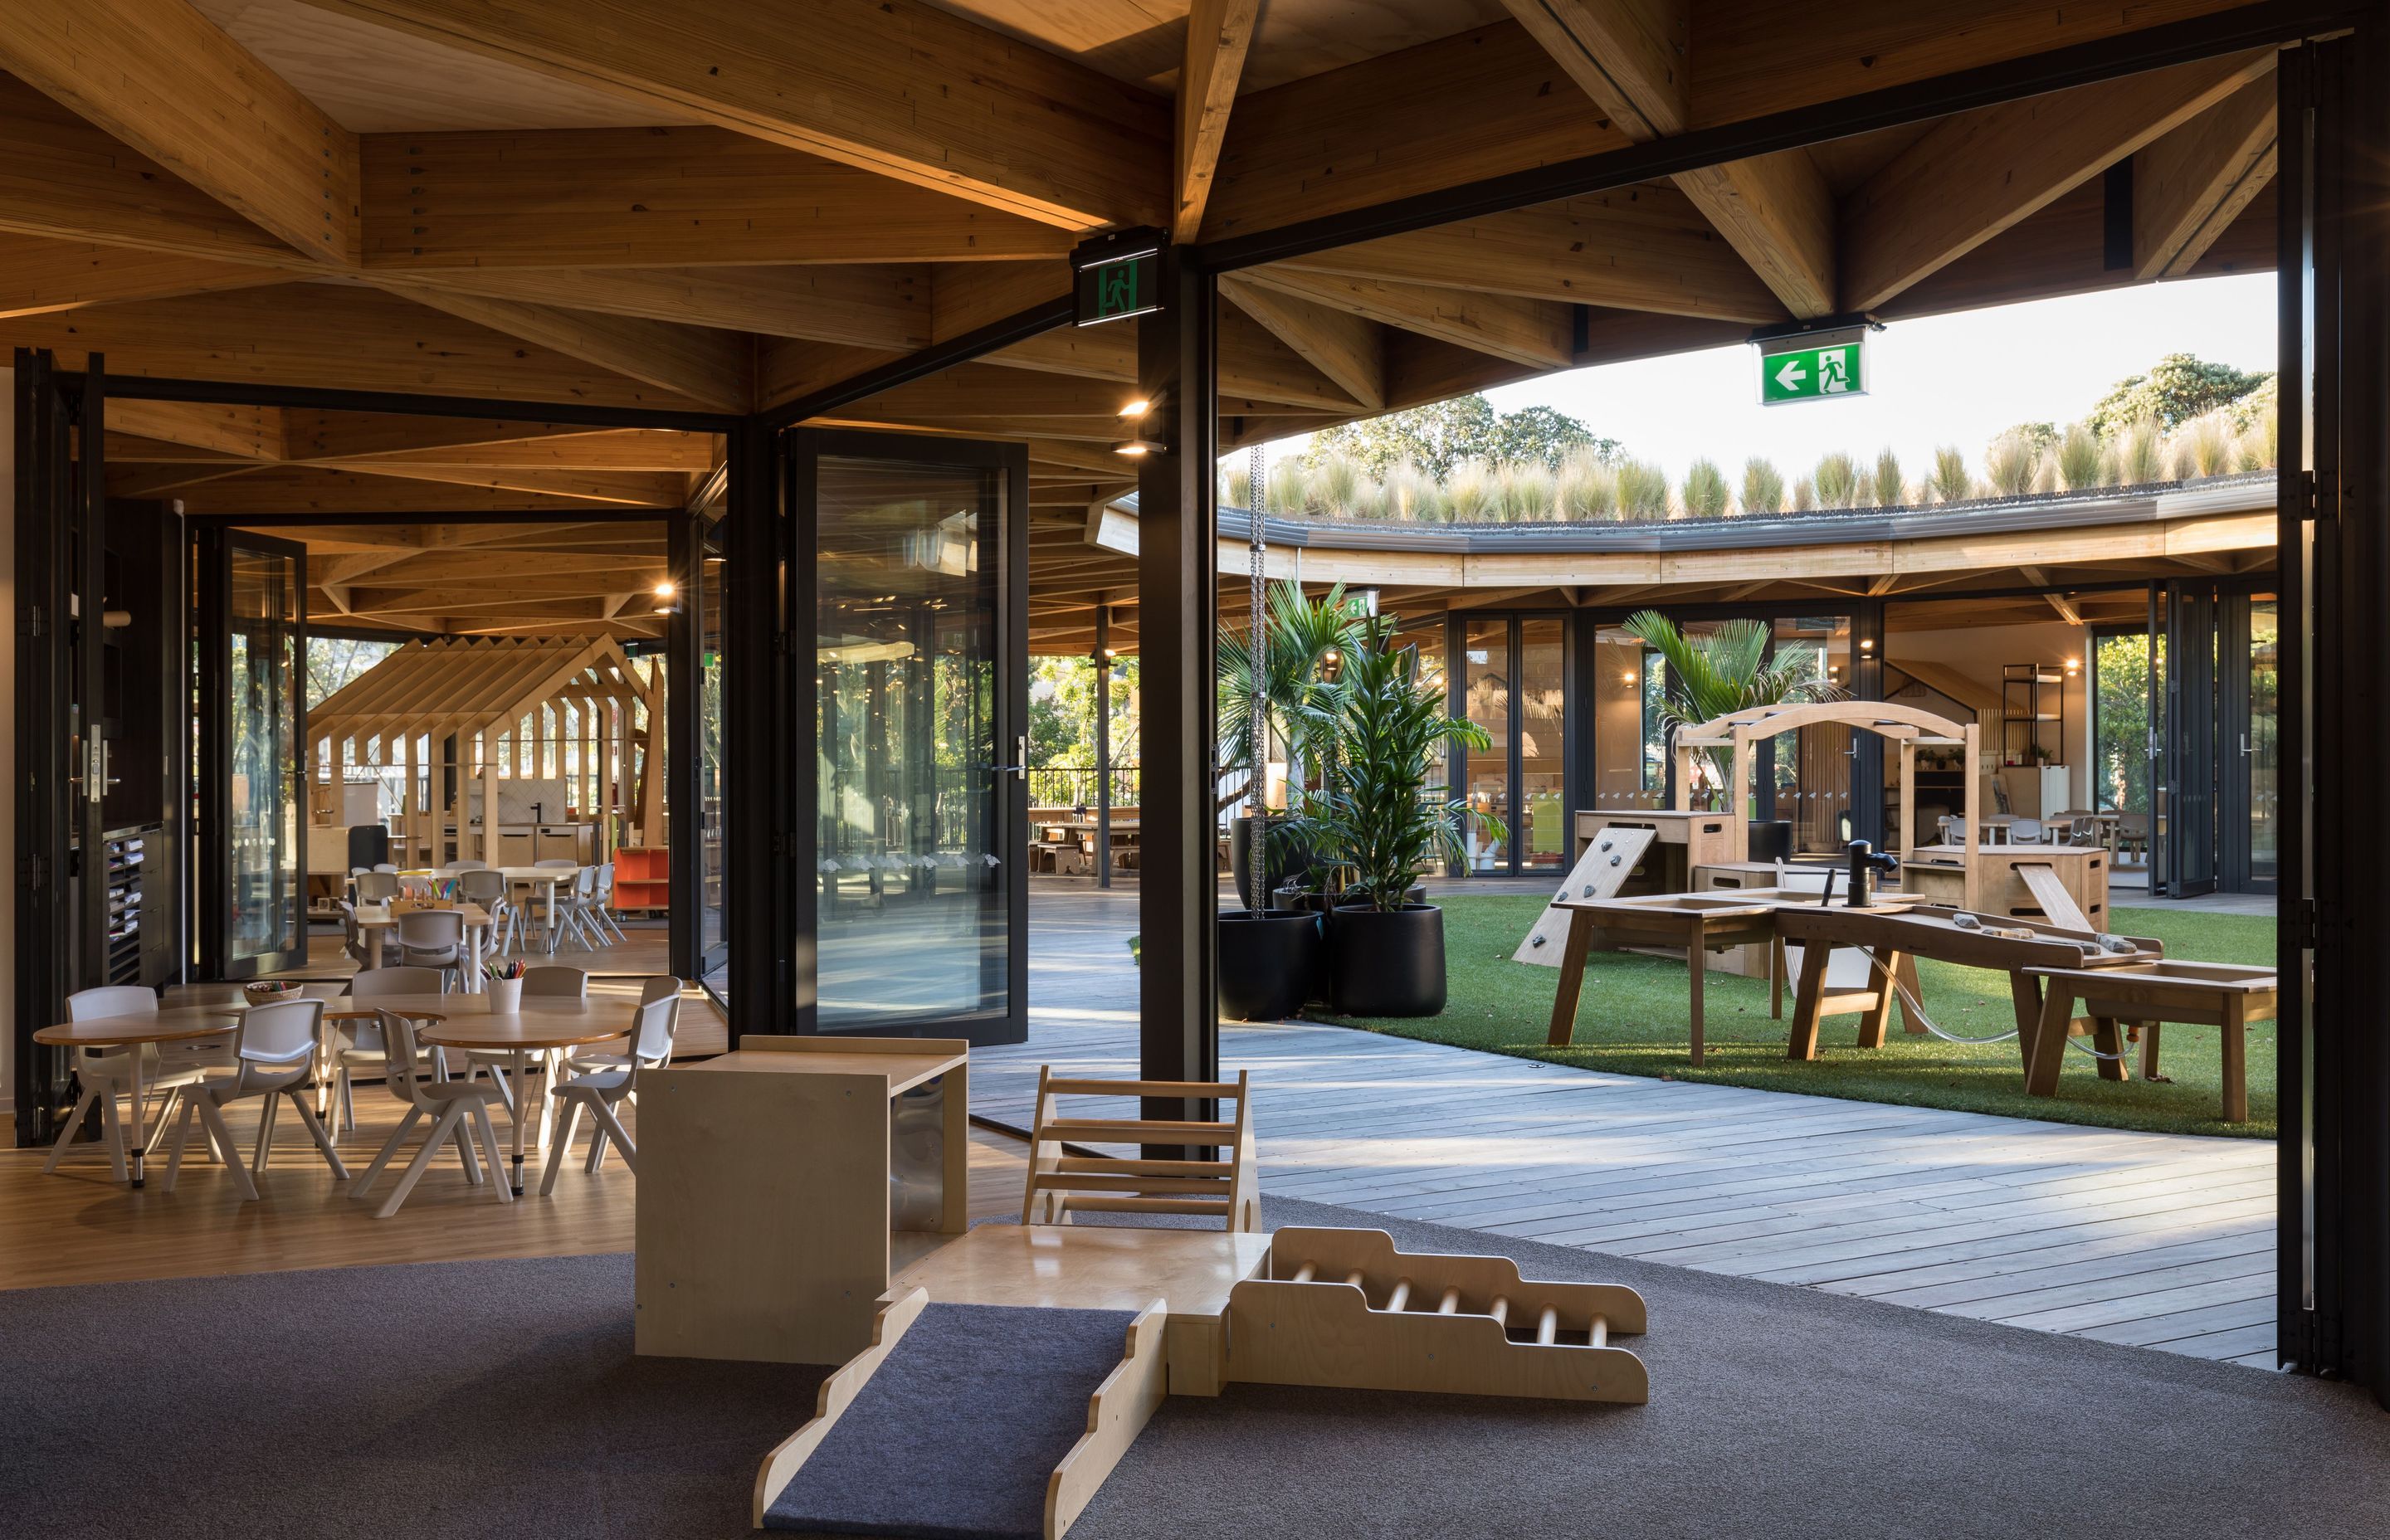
(251, 432)
(711, 367)
(310, 435)
(333, 335)
(690, 197)
(873, 305)
(628, 488)
(1349, 349)
(38, 276)
(622, 449)
(1976, 174)
(1218, 34)
(1637, 248)
(161, 77)
(2189, 186)
(1630, 56)
(65, 179)
(1537, 333)
(1472, 106)
(333, 492)
(898, 88)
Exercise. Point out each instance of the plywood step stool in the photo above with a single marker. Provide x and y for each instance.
(1344, 1308)
(1600, 872)
(1061, 1184)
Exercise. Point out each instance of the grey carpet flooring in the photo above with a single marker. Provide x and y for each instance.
(502, 1399)
(955, 1435)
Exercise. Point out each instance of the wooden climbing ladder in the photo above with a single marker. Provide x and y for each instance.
(1600, 872)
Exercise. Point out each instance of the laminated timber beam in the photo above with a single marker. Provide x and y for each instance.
(2189, 186)
(873, 305)
(708, 367)
(161, 77)
(65, 179)
(1631, 57)
(1349, 349)
(38, 277)
(329, 337)
(1976, 174)
(658, 198)
(1219, 32)
(1537, 334)
(1638, 248)
(333, 493)
(898, 88)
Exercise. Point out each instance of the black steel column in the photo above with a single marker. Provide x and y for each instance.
(754, 804)
(685, 815)
(1103, 661)
(1867, 760)
(44, 814)
(1178, 890)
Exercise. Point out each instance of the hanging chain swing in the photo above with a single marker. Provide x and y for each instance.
(1257, 785)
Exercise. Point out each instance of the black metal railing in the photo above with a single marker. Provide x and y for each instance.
(1074, 786)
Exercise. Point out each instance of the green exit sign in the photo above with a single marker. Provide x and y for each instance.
(1111, 290)
(1820, 367)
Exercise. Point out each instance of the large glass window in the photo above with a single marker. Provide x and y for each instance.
(1486, 698)
(1812, 771)
(912, 912)
(2261, 751)
(713, 937)
(1631, 760)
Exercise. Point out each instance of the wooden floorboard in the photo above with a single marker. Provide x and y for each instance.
(2158, 1239)
(2162, 1240)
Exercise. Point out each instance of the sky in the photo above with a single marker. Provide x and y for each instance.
(1947, 380)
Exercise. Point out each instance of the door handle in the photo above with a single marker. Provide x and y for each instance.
(2245, 744)
(1019, 769)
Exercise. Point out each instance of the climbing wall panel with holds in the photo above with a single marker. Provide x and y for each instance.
(1600, 872)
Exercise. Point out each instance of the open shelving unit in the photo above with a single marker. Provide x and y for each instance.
(2032, 711)
(643, 877)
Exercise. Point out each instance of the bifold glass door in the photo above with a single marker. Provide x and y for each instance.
(909, 578)
(253, 625)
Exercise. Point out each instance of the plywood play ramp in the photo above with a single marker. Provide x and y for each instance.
(1344, 1308)
(974, 1421)
(1061, 1184)
(1600, 872)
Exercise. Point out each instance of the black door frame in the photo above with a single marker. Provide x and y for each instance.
(214, 545)
(1006, 468)
(2193, 765)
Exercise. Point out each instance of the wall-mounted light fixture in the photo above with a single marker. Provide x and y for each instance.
(1867, 643)
(1137, 447)
(1332, 664)
(667, 598)
(1137, 409)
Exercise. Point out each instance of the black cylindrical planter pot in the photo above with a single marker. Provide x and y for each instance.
(1386, 962)
(1266, 963)
(1288, 859)
(1771, 839)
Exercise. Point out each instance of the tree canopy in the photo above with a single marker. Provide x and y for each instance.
(2178, 388)
(1437, 437)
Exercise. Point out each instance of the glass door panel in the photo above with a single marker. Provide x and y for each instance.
(1630, 754)
(1811, 773)
(254, 616)
(712, 936)
(1486, 698)
(2192, 754)
(919, 687)
(1542, 839)
(2261, 746)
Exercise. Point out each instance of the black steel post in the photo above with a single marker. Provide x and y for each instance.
(1867, 748)
(1177, 517)
(756, 844)
(684, 818)
(1103, 661)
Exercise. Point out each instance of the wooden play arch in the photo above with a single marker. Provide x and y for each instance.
(1909, 727)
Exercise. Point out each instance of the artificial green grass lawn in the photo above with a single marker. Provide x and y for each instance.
(1632, 1017)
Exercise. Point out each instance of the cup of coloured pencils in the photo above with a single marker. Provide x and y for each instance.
(504, 981)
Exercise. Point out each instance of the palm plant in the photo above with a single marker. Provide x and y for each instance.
(1298, 702)
(1721, 671)
(1375, 814)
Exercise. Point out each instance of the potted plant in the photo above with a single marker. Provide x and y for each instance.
(1268, 957)
(1721, 671)
(1376, 814)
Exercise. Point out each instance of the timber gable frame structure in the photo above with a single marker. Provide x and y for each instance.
(296, 228)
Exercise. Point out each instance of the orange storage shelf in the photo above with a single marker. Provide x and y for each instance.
(642, 878)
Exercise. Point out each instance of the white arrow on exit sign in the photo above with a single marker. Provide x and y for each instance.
(1791, 374)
